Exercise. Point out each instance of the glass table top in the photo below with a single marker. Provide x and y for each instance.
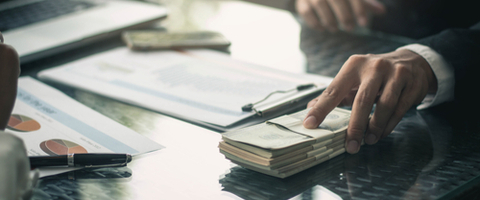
(432, 154)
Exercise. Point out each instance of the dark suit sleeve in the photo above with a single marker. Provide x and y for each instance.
(461, 49)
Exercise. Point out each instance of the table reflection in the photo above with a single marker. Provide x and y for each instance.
(326, 52)
(101, 183)
(421, 159)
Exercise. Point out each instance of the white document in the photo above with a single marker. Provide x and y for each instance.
(196, 85)
(51, 123)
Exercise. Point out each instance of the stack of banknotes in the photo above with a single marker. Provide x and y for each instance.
(282, 147)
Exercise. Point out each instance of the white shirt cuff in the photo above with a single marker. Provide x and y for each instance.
(443, 72)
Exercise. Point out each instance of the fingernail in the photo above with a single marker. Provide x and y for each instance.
(352, 146)
(370, 139)
(310, 122)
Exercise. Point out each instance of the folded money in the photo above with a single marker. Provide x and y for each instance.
(290, 157)
(280, 164)
(282, 147)
(294, 167)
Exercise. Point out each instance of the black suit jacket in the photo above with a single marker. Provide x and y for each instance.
(422, 18)
(452, 28)
(461, 49)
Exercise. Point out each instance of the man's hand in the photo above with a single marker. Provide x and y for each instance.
(332, 14)
(9, 71)
(395, 81)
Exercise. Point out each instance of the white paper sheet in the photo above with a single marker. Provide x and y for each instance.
(198, 85)
(51, 123)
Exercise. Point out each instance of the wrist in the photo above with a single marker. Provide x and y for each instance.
(421, 63)
(444, 74)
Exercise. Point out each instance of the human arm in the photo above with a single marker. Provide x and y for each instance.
(460, 48)
(444, 74)
(452, 54)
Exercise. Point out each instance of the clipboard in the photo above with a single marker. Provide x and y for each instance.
(201, 86)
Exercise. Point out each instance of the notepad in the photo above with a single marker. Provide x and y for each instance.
(202, 86)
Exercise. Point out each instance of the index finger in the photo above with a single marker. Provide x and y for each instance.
(329, 99)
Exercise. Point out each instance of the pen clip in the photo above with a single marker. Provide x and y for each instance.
(107, 165)
(251, 106)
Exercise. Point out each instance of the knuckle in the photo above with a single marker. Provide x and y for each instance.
(389, 100)
(403, 70)
(331, 93)
(354, 61)
(357, 58)
(379, 65)
(390, 103)
(365, 99)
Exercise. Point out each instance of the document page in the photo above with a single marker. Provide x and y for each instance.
(51, 123)
(196, 85)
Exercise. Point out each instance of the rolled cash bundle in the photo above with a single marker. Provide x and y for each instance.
(282, 147)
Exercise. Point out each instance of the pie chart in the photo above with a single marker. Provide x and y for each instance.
(22, 123)
(55, 147)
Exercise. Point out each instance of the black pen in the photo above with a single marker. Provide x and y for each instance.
(81, 160)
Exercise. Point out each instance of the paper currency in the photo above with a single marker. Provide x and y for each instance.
(282, 147)
(285, 158)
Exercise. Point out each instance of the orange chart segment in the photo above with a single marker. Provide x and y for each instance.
(22, 123)
(61, 147)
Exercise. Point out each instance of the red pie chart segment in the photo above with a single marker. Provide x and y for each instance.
(61, 147)
(22, 123)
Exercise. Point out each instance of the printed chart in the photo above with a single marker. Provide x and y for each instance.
(61, 147)
(22, 123)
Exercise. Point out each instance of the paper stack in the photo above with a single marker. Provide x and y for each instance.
(282, 147)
